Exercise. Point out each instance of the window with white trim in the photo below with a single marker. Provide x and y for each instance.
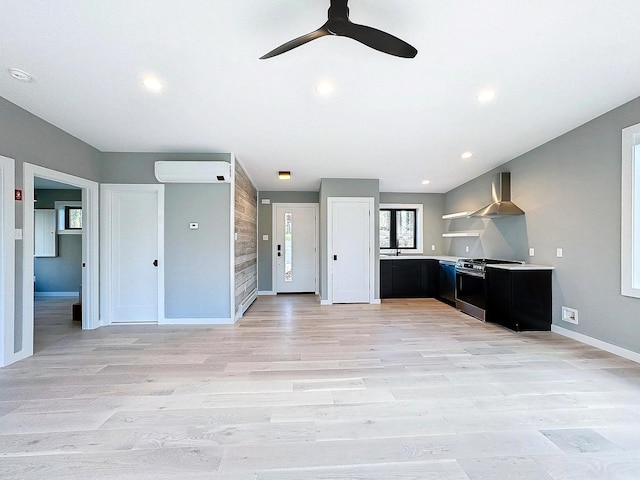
(69, 217)
(630, 267)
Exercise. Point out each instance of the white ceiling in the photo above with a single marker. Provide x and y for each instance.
(554, 64)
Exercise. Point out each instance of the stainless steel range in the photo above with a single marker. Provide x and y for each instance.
(471, 287)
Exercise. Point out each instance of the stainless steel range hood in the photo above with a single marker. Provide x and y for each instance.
(501, 193)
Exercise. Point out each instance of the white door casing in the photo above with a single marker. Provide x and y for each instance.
(295, 248)
(7, 260)
(90, 250)
(132, 253)
(350, 255)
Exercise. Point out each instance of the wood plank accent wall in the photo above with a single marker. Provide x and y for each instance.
(246, 220)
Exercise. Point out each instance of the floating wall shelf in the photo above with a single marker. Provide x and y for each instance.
(451, 216)
(461, 234)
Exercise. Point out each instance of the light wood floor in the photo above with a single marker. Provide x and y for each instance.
(403, 390)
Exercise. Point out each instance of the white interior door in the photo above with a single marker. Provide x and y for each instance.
(132, 251)
(350, 250)
(295, 247)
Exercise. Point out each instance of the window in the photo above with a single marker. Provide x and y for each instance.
(401, 227)
(631, 211)
(72, 218)
(69, 217)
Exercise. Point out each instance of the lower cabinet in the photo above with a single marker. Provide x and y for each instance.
(410, 278)
(519, 299)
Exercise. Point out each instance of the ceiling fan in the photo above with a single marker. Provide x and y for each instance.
(339, 24)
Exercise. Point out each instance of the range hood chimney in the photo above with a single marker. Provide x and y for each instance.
(501, 193)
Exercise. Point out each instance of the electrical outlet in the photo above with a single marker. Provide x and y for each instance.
(532, 252)
(433, 248)
(570, 315)
(466, 249)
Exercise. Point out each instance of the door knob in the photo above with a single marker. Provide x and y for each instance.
(155, 263)
(335, 257)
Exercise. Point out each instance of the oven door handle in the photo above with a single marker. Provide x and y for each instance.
(471, 274)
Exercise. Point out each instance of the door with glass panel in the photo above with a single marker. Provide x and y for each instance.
(295, 248)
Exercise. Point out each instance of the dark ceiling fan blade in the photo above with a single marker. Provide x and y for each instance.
(296, 42)
(379, 40)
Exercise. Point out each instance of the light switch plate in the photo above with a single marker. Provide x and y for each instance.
(266, 201)
(265, 237)
(18, 235)
(558, 252)
(532, 252)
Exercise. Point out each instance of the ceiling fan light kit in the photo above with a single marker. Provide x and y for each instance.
(339, 25)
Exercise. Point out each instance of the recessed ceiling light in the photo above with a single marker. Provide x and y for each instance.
(284, 175)
(426, 182)
(324, 88)
(466, 155)
(486, 96)
(152, 84)
(20, 75)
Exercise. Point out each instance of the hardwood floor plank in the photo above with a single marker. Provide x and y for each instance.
(408, 389)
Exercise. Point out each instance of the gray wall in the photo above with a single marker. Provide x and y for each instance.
(197, 262)
(347, 187)
(570, 191)
(265, 227)
(27, 138)
(433, 209)
(64, 272)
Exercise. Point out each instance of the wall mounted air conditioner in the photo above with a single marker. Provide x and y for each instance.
(193, 172)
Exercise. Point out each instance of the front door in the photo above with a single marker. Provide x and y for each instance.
(295, 247)
(350, 249)
(131, 253)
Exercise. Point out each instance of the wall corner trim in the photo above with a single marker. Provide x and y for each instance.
(594, 342)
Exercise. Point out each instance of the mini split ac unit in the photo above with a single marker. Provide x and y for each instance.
(193, 172)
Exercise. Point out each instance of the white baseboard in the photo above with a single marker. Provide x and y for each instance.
(196, 321)
(375, 301)
(55, 294)
(594, 342)
(267, 292)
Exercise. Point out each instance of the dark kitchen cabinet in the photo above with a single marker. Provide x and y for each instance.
(386, 271)
(447, 282)
(409, 278)
(519, 299)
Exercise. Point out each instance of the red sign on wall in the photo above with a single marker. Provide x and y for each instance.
(18, 195)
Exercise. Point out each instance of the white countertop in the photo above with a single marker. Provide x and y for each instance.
(449, 258)
(520, 266)
(419, 257)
